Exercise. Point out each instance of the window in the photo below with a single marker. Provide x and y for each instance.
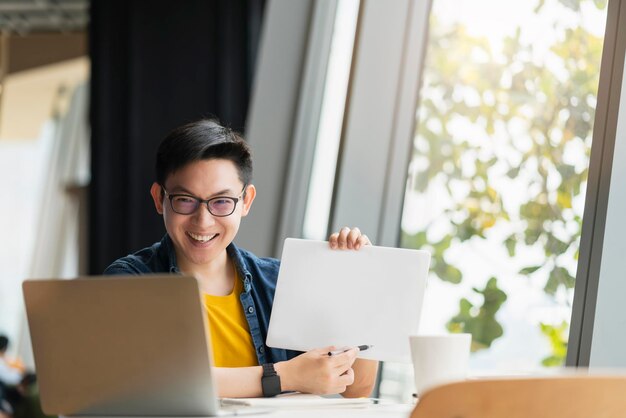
(497, 179)
(319, 198)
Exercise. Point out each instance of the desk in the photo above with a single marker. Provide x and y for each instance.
(371, 411)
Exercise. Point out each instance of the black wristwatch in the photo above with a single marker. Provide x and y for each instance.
(270, 382)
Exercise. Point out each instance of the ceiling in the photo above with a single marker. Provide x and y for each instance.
(22, 17)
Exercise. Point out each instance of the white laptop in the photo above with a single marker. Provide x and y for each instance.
(121, 346)
(372, 296)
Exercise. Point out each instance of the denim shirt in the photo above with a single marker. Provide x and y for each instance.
(259, 277)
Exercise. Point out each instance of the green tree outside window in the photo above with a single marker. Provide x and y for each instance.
(495, 118)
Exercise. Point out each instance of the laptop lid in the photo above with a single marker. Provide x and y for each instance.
(324, 297)
(121, 346)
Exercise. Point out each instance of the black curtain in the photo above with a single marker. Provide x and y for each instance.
(156, 65)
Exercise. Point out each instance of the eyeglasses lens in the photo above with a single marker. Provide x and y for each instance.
(222, 207)
(184, 205)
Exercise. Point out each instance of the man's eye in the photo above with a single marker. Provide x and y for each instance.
(183, 199)
(221, 202)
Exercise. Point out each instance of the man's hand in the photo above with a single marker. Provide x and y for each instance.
(311, 372)
(317, 372)
(346, 238)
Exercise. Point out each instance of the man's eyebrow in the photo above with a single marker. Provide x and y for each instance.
(224, 192)
(181, 189)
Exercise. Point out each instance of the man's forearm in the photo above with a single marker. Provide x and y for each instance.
(245, 382)
(239, 382)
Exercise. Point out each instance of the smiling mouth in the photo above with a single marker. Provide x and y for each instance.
(202, 238)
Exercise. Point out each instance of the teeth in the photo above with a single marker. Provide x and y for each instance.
(202, 238)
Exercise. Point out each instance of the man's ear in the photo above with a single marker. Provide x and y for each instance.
(157, 196)
(248, 199)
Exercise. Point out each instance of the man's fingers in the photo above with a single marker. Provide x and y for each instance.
(353, 237)
(348, 238)
(362, 240)
(332, 240)
(339, 239)
(346, 378)
(342, 239)
(344, 360)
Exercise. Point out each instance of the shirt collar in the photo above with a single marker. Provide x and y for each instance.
(242, 267)
(167, 243)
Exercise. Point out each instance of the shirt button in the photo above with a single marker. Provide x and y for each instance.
(261, 350)
(250, 309)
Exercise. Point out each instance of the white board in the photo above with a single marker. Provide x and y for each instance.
(328, 297)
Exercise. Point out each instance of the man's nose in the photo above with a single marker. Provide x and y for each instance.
(203, 216)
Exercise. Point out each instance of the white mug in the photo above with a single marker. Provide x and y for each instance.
(439, 359)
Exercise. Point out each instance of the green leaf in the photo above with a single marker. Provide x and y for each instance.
(539, 6)
(416, 241)
(514, 172)
(480, 321)
(531, 235)
(557, 336)
(566, 171)
(559, 276)
(529, 270)
(445, 271)
(453, 274)
(600, 4)
(564, 200)
(555, 246)
(510, 244)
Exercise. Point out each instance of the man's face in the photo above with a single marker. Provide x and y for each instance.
(201, 237)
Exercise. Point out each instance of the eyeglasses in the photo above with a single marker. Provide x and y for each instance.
(220, 206)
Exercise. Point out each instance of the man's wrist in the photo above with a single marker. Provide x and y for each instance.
(282, 369)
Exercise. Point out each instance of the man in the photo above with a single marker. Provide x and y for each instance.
(203, 188)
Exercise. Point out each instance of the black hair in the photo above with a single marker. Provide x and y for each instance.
(204, 139)
(4, 343)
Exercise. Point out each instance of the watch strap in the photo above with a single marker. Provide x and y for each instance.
(270, 382)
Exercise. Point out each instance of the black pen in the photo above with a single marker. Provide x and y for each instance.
(360, 347)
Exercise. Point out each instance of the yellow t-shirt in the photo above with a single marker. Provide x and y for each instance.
(230, 336)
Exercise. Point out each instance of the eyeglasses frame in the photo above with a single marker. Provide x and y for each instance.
(204, 201)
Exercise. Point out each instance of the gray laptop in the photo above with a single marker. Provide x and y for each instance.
(372, 296)
(120, 346)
